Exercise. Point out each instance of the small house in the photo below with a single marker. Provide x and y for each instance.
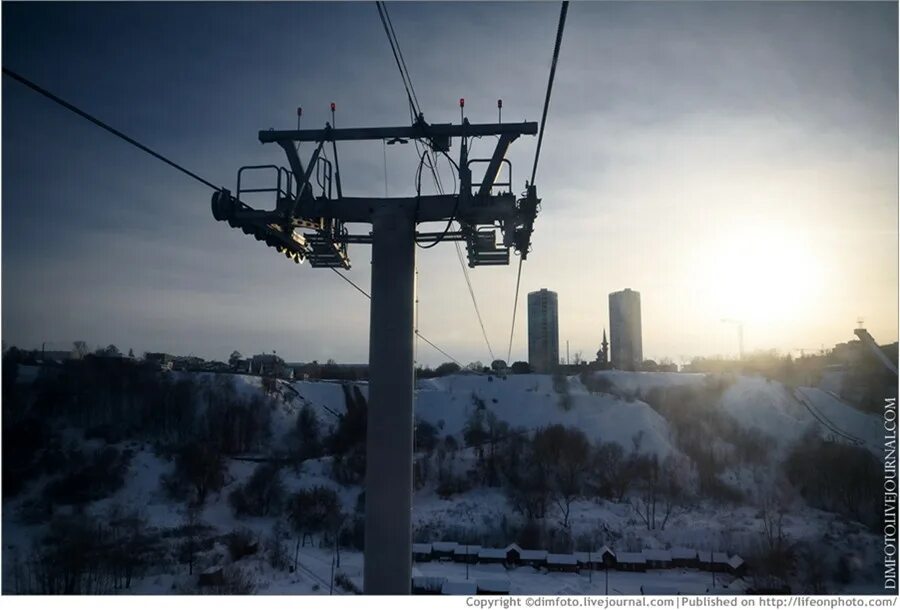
(488, 555)
(600, 559)
(631, 562)
(658, 559)
(513, 554)
(684, 558)
(212, 577)
(535, 558)
(713, 561)
(736, 566)
(427, 585)
(466, 553)
(561, 562)
(443, 550)
(421, 551)
(162, 360)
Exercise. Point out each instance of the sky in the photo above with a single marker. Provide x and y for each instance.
(726, 160)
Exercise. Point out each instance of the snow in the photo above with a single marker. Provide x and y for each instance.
(766, 406)
(464, 550)
(530, 581)
(735, 562)
(630, 558)
(866, 427)
(493, 585)
(585, 557)
(444, 547)
(657, 555)
(528, 402)
(459, 587)
(561, 559)
(532, 555)
(786, 415)
(681, 553)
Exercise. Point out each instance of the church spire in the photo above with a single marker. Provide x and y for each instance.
(603, 354)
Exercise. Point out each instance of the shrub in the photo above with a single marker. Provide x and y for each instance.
(276, 552)
(199, 469)
(836, 477)
(426, 436)
(233, 581)
(597, 384)
(447, 368)
(261, 496)
(341, 580)
(106, 432)
(100, 476)
(450, 484)
(354, 536)
(23, 441)
(309, 435)
(520, 368)
(241, 543)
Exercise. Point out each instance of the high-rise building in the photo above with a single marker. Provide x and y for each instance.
(543, 331)
(626, 352)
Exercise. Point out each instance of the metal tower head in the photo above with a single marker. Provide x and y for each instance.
(310, 211)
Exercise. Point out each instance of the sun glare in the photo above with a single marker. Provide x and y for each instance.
(764, 275)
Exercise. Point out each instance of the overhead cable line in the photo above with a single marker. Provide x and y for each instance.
(352, 283)
(105, 126)
(133, 142)
(537, 153)
(387, 15)
(395, 49)
(422, 337)
(559, 35)
(515, 302)
(435, 175)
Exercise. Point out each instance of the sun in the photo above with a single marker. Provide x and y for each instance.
(764, 274)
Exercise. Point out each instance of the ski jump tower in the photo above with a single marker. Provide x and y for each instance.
(308, 223)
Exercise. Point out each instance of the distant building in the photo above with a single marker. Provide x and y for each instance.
(849, 353)
(543, 331)
(162, 360)
(603, 352)
(188, 363)
(59, 356)
(625, 329)
(270, 365)
(329, 370)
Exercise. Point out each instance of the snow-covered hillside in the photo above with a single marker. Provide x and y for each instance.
(609, 407)
(530, 402)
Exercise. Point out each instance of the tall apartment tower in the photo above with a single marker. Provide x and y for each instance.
(543, 331)
(626, 352)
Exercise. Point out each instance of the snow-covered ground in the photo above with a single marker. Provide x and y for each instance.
(530, 402)
(523, 401)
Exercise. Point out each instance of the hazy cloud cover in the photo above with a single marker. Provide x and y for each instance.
(724, 159)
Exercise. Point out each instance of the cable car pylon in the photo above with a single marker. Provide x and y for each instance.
(308, 223)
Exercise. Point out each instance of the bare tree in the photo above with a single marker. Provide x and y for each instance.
(563, 454)
(676, 475)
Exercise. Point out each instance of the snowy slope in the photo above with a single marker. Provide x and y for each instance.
(530, 402)
(768, 407)
(523, 401)
(868, 428)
